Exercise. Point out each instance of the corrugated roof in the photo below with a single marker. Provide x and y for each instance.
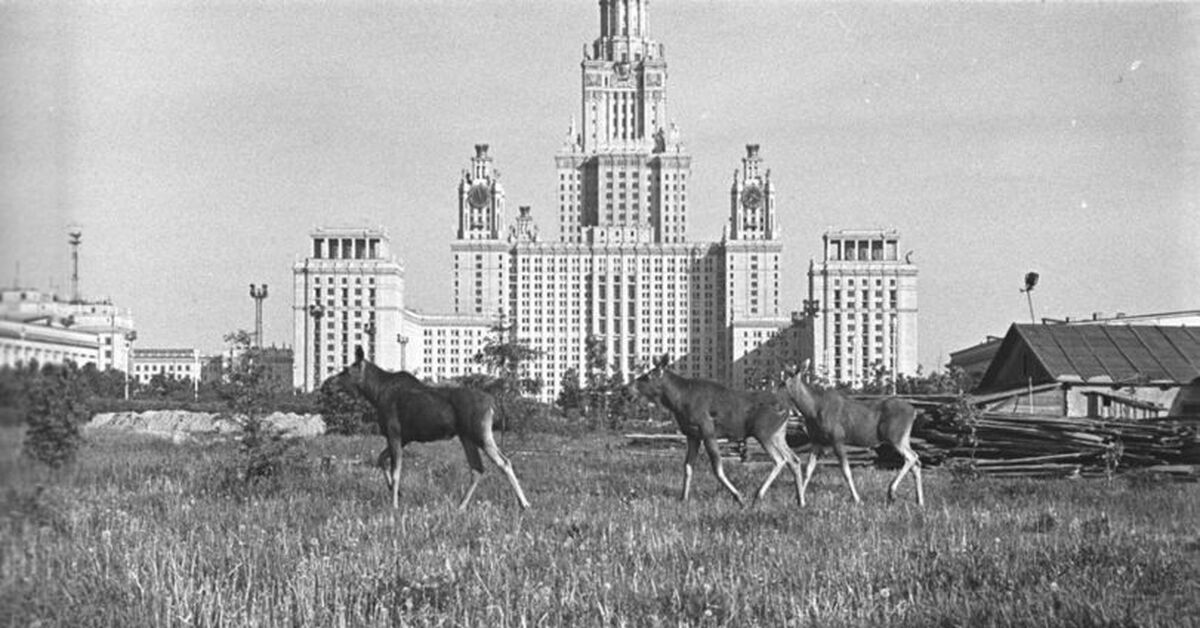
(1116, 353)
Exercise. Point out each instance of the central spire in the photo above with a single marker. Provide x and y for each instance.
(624, 82)
(626, 19)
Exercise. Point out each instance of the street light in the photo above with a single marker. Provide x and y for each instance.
(130, 336)
(403, 340)
(1031, 279)
(258, 294)
(317, 312)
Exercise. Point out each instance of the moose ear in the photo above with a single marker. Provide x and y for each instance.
(789, 370)
(806, 367)
(663, 360)
(358, 354)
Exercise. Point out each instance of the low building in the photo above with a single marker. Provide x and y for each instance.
(171, 363)
(1102, 371)
(55, 330)
(22, 343)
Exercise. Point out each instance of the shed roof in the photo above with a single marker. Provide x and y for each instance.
(1095, 354)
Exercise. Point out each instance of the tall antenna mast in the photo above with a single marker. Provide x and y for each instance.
(75, 238)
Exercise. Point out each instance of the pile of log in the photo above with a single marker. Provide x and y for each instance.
(1006, 445)
(1010, 445)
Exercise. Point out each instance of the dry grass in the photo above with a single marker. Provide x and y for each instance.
(144, 532)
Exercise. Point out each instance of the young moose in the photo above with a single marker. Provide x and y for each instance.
(706, 410)
(834, 421)
(409, 411)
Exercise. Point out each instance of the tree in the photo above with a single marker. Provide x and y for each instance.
(506, 359)
(54, 407)
(570, 393)
(595, 401)
(246, 391)
(345, 412)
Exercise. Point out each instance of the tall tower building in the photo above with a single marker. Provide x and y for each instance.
(862, 307)
(623, 178)
(479, 251)
(622, 277)
(348, 292)
(758, 348)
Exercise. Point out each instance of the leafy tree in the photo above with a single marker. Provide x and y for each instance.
(106, 384)
(266, 452)
(345, 412)
(595, 399)
(570, 393)
(507, 359)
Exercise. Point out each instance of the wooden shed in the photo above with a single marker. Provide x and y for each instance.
(1117, 371)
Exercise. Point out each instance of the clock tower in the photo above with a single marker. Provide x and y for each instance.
(480, 199)
(752, 200)
(480, 250)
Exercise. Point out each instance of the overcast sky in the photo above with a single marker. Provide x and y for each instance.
(197, 144)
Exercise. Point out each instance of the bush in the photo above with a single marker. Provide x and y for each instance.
(54, 407)
(345, 412)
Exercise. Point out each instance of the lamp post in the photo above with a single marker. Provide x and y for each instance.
(369, 330)
(130, 336)
(403, 340)
(1031, 279)
(259, 294)
(317, 312)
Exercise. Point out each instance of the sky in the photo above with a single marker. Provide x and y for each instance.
(196, 144)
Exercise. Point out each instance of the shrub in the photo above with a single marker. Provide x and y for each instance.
(345, 412)
(54, 407)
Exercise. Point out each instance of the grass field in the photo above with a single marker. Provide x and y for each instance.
(143, 532)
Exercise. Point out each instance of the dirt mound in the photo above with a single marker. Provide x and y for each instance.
(179, 425)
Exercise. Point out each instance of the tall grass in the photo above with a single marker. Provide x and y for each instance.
(145, 532)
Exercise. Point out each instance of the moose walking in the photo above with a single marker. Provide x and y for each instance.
(706, 410)
(409, 411)
(834, 421)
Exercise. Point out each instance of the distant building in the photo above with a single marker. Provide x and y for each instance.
(24, 343)
(348, 292)
(861, 314)
(278, 366)
(1105, 371)
(42, 326)
(171, 363)
(444, 346)
(622, 272)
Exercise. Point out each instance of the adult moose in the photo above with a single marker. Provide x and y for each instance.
(834, 421)
(706, 410)
(409, 411)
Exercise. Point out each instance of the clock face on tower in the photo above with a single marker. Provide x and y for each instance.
(479, 195)
(752, 196)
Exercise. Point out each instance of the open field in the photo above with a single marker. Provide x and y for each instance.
(143, 532)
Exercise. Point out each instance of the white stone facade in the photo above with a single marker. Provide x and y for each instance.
(864, 296)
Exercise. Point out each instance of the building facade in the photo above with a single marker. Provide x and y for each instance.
(41, 326)
(860, 318)
(172, 363)
(348, 291)
(622, 274)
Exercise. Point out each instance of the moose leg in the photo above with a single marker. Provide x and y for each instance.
(911, 462)
(840, 450)
(813, 456)
(476, 464)
(384, 462)
(493, 452)
(781, 454)
(714, 457)
(396, 448)
(693, 450)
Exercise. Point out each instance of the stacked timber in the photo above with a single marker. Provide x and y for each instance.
(1010, 445)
